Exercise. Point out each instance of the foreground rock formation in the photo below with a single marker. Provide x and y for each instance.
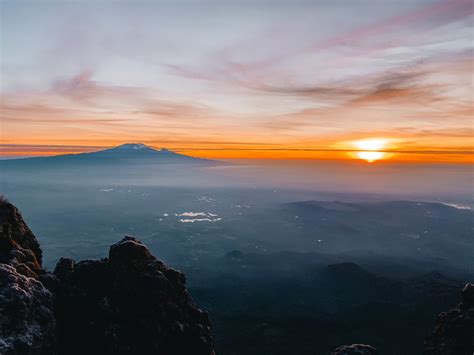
(131, 303)
(454, 330)
(355, 349)
(18, 246)
(128, 303)
(27, 324)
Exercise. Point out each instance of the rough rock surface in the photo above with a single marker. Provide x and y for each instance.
(454, 330)
(27, 325)
(18, 245)
(355, 349)
(130, 303)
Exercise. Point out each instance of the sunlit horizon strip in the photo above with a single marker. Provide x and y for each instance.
(14, 151)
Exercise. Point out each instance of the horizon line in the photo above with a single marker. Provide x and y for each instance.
(282, 149)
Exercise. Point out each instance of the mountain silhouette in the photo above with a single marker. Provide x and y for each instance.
(127, 153)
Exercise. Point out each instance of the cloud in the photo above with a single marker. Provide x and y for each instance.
(35, 149)
(80, 99)
(385, 86)
(178, 113)
(398, 92)
(421, 95)
(83, 89)
(29, 113)
(409, 30)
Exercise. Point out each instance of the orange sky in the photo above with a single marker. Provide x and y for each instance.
(283, 86)
(243, 152)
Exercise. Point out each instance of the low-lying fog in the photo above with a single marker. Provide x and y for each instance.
(255, 239)
(186, 213)
(403, 180)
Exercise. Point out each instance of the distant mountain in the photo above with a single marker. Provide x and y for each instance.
(129, 153)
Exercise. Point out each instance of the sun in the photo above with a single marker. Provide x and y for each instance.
(370, 157)
(371, 144)
(370, 149)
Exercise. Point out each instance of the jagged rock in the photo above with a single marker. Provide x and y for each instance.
(18, 245)
(355, 349)
(27, 324)
(128, 303)
(64, 268)
(454, 330)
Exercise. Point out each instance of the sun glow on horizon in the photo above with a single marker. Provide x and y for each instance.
(371, 149)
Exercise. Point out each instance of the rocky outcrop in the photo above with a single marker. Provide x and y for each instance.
(454, 330)
(18, 245)
(355, 349)
(27, 324)
(128, 303)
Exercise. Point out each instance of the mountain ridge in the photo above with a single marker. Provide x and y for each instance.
(127, 152)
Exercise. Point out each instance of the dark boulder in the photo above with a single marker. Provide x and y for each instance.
(128, 303)
(454, 330)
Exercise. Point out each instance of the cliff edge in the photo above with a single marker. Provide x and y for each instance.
(127, 303)
(454, 330)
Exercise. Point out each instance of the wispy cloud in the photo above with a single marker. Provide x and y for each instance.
(306, 75)
(408, 30)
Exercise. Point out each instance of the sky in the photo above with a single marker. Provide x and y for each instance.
(239, 79)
